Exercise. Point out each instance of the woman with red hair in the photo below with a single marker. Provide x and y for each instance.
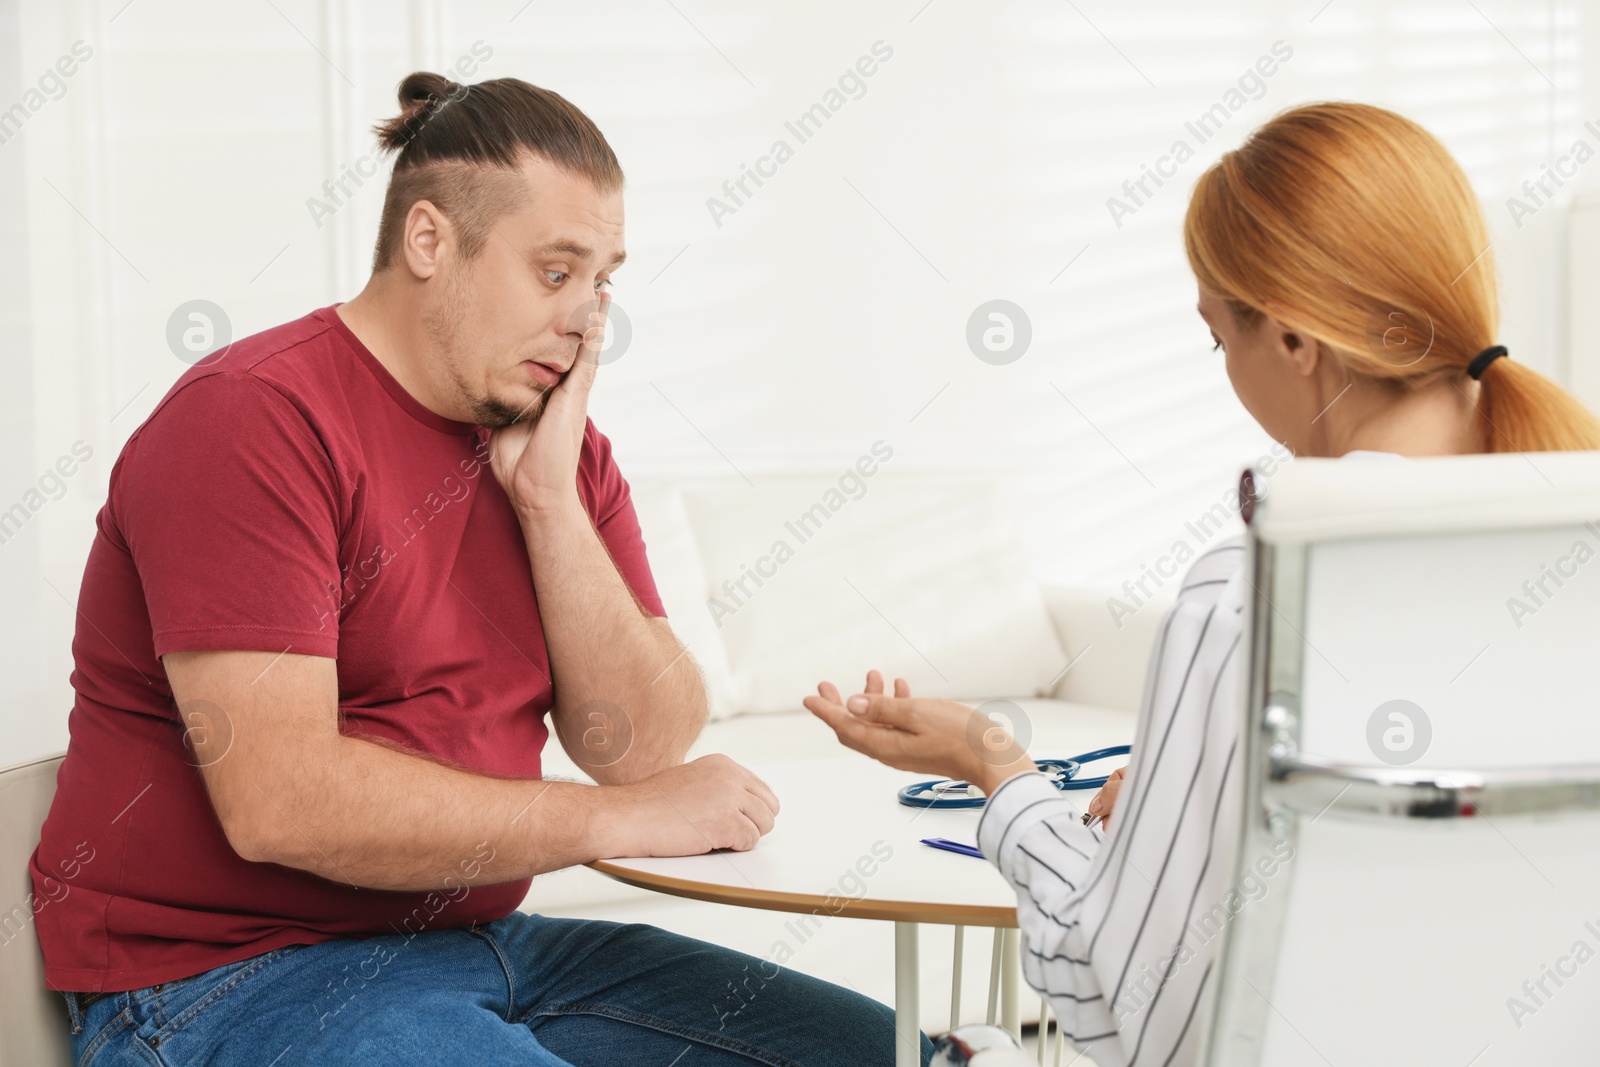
(1343, 267)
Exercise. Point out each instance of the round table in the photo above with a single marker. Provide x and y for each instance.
(845, 845)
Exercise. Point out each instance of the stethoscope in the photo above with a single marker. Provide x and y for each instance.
(945, 793)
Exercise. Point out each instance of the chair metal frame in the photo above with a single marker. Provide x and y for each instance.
(1282, 784)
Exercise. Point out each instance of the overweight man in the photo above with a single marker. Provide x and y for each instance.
(349, 575)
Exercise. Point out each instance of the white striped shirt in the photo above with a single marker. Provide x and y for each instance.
(1121, 933)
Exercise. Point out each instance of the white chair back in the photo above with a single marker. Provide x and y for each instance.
(33, 1020)
(1422, 752)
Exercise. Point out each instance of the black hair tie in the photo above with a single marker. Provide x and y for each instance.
(1481, 361)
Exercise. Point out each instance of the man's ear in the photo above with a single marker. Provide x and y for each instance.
(421, 241)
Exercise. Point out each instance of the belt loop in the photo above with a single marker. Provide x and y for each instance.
(74, 1012)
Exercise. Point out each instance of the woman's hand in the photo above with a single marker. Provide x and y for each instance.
(939, 737)
(1106, 799)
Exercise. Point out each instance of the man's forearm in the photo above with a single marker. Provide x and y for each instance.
(376, 817)
(629, 698)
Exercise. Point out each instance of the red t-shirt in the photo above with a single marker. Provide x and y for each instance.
(290, 496)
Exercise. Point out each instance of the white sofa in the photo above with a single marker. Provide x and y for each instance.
(917, 576)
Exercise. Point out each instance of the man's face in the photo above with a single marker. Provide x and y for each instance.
(509, 321)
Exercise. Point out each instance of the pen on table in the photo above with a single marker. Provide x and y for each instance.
(952, 846)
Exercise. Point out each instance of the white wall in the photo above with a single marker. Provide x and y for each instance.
(24, 725)
(827, 312)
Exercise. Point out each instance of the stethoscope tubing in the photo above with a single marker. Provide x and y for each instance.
(1063, 774)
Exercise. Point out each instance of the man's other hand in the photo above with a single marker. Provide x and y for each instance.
(705, 804)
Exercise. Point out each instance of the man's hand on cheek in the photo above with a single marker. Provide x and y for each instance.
(537, 463)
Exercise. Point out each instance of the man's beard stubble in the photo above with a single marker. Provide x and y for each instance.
(445, 327)
(497, 415)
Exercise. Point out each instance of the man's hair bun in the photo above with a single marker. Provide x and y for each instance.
(460, 147)
(421, 95)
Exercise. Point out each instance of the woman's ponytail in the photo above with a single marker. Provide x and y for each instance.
(1355, 226)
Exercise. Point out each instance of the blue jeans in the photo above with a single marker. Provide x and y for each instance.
(525, 990)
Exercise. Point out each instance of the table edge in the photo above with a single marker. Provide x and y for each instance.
(774, 900)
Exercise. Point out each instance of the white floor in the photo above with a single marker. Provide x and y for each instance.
(1056, 1054)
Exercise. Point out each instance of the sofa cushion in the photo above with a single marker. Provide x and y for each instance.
(812, 577)
(1108, 638)
(681, 581)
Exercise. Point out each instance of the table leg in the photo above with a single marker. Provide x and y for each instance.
(955, 980)
(993, 1015)
(907, 1011)
(1010, 972)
